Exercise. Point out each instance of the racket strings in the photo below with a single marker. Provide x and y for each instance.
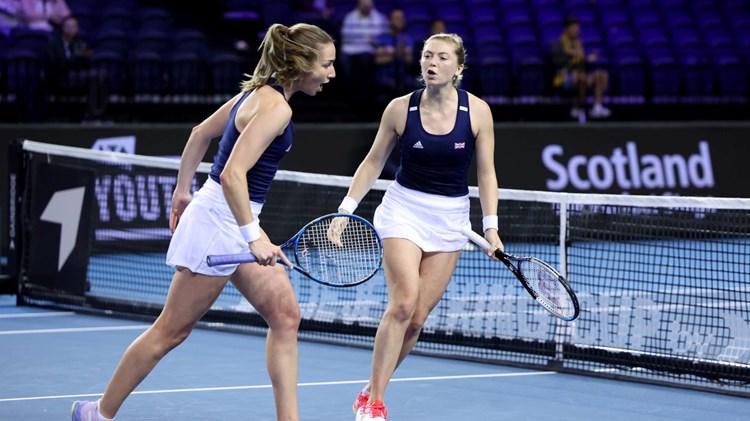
(357, 256)
(551, 293)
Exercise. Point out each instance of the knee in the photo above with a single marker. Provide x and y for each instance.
(415, 327)
(284, 317)
(169, 340)
(403, 310)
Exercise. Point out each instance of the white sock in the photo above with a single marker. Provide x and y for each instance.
(99, 416)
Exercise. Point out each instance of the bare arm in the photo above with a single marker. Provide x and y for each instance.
(391, 124)
(260, 121)
(194, 151)
(481, 117)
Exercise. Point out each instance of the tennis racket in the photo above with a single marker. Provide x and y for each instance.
(544, 283)
(345, 258)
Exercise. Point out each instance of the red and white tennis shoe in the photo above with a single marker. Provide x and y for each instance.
(362, 398)
(372, 411)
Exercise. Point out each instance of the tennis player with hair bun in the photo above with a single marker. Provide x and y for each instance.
(437, 129)
(256, 130)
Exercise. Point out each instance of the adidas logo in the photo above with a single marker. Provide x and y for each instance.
(418, 145)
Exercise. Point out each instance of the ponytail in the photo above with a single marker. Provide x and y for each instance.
(286, 53)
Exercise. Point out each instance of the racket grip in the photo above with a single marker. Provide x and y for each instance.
(229, 259)
(474, 237)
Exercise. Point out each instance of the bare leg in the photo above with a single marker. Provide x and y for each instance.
(434, 275)
(579, 79)
(401, 261)
(271, 294)
(601, 82)
(190, 296)
(436, 270)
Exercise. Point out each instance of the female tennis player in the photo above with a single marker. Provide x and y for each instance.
(223, 218)
(437, 129)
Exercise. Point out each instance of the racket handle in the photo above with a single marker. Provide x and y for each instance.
(229, 259)
(474, 237)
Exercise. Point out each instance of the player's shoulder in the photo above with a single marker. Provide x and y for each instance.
(478, 105)
(475, 101)
(268, 99)
(399, 104)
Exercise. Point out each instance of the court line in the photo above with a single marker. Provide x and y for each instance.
(73, 329)
(268, 386)
(45, 314)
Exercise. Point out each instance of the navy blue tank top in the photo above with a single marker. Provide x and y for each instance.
(436, 164)
(261, 175)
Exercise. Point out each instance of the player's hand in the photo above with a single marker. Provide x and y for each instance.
(179, 203)
(266, 253)
(336, 228)
(492, 237)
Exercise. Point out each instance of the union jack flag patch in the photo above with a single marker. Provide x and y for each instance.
(459, 145)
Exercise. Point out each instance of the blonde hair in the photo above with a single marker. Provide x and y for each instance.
(458, 49)
(286, 54)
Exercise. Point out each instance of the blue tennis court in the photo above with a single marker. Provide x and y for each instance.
(55, 357)
(663, 290)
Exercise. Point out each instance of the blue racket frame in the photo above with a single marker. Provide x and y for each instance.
(293, 243)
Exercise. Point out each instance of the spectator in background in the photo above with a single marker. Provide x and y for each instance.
(359, 31)
(69, 71)
(574, 71)
(394, 55)
(437, 26)
(8, 16)
(43, 15)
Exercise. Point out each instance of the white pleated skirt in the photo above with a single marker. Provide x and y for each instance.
(432, 222)
(207, 227)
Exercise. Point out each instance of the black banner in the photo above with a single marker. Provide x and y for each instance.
(687, 159)
(59, 232)
(650, 160)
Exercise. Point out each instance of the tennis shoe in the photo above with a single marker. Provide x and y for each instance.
(362, 398)
(373, 411)
(86, 411)
(599, 111)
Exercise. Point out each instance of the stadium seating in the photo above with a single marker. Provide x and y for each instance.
(656, 51)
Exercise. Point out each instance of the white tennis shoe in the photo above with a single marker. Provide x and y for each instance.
(86, 411)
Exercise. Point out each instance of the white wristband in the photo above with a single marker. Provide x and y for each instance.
(348, 205)
(251, 231)
(489, 221)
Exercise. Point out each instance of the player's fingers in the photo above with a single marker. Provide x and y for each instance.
(174, 218)
(334, 235)
(284, 259)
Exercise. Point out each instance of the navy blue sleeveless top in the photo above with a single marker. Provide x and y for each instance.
(261, 175)
(436, 164)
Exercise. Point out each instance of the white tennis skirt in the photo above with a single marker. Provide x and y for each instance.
(432, 222)
(207, 227)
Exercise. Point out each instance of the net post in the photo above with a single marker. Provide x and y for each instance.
(563, 238)
(562, 330)
(10, 283)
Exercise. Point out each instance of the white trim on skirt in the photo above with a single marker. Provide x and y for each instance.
(432, 222)
(207, 227)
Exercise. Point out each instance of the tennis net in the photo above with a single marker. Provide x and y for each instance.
(663, 282)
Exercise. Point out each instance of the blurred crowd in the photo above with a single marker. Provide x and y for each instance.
(579, 53)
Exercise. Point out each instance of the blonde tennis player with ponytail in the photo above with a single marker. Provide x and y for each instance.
(223, 217)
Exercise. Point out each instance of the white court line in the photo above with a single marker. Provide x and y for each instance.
(72, 329)
(268, 386)
(50, 314)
